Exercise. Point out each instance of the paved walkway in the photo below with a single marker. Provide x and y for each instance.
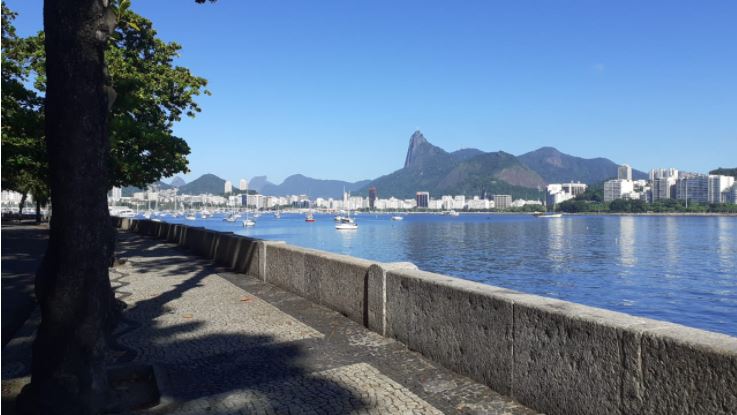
(227, 343)
(23, 247)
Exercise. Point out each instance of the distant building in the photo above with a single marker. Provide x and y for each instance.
(560, 192)
(693, 188)
(732, 195)
(228, 187)
(117, 194)
(422, 199)
(243, 185)
(502, 202)
(624, 172)
(373, 194)
(719, 188)
(663, 174)
(663, 188)
(617, 189)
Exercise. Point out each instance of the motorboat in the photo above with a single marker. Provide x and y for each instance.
(249, 222)
(346, 226)
(397, 217)
(309, 217)
(549, 215)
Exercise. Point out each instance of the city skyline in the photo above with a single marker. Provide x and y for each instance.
(633, 84)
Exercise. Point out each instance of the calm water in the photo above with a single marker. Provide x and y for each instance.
(680, 269)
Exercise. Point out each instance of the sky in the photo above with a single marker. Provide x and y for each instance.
(334, 89)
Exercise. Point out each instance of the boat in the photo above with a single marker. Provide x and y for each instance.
(397, 217)
(450, 213)
(344, 226)
(549, 215)
(339, 218)
(248, 222)
(309, 217)
(277, 215)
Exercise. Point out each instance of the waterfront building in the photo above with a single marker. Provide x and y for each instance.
(663, 174)
(422, 199)
(732, 195)
(459, 202)
(624, 172)
(560, 192)
(693, 188)
(373, 194)
(719, 188)
(502, 202)
(435, 204)
(663, 188)
(234, 200)
(618, 189)
(228, 187)
(116, 193)
(478, 203)
(522, 202)
(243, 185)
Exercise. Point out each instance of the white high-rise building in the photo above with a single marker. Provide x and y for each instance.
(624, 172)
(243, 185)
(663, 173)
(228, 186)
(117, 193)
(719, 187)
(617, 189)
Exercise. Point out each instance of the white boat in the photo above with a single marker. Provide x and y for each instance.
(346, 226)
(277, 215)
(248, 222)
(550, 215)
(190, 217)
(397, 217)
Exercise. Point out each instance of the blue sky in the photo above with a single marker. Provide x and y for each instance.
(334, 89)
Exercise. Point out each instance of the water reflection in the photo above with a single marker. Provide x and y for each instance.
(626, 241)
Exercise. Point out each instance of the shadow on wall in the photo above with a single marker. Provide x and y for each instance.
(249, 372)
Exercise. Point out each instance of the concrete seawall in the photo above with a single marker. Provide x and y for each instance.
(554, 356)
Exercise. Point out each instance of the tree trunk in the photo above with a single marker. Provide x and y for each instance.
(38, 211)
(20, 206)
(72, 284)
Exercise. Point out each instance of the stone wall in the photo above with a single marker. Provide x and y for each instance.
(554, 356)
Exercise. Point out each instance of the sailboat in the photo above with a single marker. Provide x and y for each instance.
(346, 223)
(309, 217)
(247, 223)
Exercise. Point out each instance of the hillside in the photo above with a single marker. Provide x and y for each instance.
(468, 171)
(299, 184)
(205, 184)
(556, 167)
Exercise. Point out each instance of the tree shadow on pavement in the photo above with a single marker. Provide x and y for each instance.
(218, 372)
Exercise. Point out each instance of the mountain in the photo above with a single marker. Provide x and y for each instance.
(128, 191)
(257, 183)
(299, 184)
(177, 181)
(466, 153)
(556, 167)
(207, 183)
(468, 171)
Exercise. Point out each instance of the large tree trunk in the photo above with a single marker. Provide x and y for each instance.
(72, 284)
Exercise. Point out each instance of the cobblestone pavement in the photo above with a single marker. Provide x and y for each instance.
(226, 343)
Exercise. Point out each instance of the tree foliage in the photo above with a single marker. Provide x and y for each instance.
(24, 167)
(152, 94)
